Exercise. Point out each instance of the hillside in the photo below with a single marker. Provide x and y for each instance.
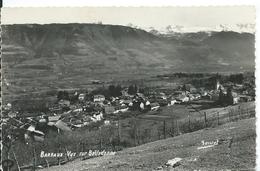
(40, 57)
(150, 156)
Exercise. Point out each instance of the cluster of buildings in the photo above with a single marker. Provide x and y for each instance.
(88, 109)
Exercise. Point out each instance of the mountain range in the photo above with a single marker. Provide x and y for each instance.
(62, 54)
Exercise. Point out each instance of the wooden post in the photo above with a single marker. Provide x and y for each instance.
(18, 166)
(159, 134)
(205, 119)
(189, 123)
(218, 117)
(100, 138)
(177, 128)
(164, 129)
(34, 157)
(240, 112)
(66, 152)
(118, 127)
(172, 127)
(135, 131)
(229, 115)
(47, 162)
(59, 157)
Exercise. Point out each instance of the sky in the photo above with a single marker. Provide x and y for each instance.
(190, 18)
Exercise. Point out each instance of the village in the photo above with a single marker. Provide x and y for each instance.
(74, 109)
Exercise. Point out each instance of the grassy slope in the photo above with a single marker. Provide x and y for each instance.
(150, 156)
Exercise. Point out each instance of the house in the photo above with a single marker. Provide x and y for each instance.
(109, 109)
(172, 102)
(34, 134)
(140, 95)
(62, 126)
(81, 97)
(97, 117)
(121, 109)
(235, 98)
(127, 102)
(193, 90)
(182, 98)
(147, 103)
(107, 122)
(12, 114)
(215, 96)
(125, 92)
(190, 88)
(78, 110)
(8, 106)
(64, 103)
(54, 118)
(203, 93)
(162, 96)
(99, 98)
(197, 96)
(191, 97)
(244, 98)
(154, 106)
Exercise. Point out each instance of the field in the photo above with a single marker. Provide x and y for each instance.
(178, 119)
(150, 156)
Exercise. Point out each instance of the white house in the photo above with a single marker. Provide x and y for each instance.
(154, 106)
(172, 102)
(97, 117)
(81, 96)
(99, 98)
(183, 98)
(121, 109)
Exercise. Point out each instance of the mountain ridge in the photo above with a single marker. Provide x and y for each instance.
(60, 55)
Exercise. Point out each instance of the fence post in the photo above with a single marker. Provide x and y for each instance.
(100, 138)
(177, 128)
(47, 163)
(218, 117)
(173, 128)
(59, 157)
(118, 126)
(66, 152)
(159, 134)
(83, 147)
(34, 157)
(164, 129)
(135, 131)
(205, 119)
(16, 160)
(189, 123)
(240, 112)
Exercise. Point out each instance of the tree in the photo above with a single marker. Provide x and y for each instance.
(141, 90)
(111, 90)
(118, 90)
(221, 99)
(63, 95)
(135, 89)
(131, 90)
(230, 99)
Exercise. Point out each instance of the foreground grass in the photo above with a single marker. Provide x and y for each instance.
(150, 156)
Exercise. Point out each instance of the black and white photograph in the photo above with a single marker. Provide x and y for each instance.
(128, 88)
